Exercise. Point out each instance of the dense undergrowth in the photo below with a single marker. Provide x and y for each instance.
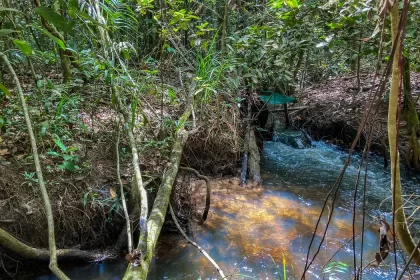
(92, 69)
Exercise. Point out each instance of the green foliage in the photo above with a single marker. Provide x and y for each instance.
(52, 37)
(23, 46)
(4, 32)
(30, 177)
(5, 90)
(180, 19)
(53, 17)
(4, 9)
(110, 204)
(67, 154)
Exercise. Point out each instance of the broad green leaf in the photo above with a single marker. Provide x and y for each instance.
(4, 9)
(23, 47)
(60, 144)
(73, 7)
(4, 32)
(52, 153)
(292, 3)
(53, 17)
(1, 122)
(39, 83)
(5, 90)
(69, 165)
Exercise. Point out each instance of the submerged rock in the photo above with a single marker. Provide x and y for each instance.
(295, 138)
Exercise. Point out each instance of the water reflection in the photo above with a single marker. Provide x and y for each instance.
(245, 229)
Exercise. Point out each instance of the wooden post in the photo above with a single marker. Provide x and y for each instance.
(286, 115)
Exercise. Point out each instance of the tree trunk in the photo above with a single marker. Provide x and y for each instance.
(64, 58)
(160, 206)
(401, 226)
(244, 169)
(254, 158)
(138, 191)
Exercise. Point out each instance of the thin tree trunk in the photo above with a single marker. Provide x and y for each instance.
(401, 226)
(138, 192)
(48, 209)
(223, 47)
(160, 207)
(244, 169)
(65, 61)
(127, 217)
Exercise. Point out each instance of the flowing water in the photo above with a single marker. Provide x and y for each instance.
(253, 232)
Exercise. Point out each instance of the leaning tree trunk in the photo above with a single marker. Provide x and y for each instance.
(401, 226)
(160, 206)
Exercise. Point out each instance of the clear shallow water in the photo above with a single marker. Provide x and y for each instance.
(248, 230)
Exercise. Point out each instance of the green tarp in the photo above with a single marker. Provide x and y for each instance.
(275, 98)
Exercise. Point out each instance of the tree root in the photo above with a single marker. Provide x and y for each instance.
(208, 192)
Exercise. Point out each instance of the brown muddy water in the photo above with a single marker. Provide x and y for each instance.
(252, 233)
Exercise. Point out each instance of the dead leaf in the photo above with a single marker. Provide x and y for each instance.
(112, 192)
(4, 152)
(21, 156)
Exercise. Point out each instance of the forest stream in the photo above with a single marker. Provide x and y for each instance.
(248, 232)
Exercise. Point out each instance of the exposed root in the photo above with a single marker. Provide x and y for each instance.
(208, 192)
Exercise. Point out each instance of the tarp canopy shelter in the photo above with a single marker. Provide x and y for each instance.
(276, 98)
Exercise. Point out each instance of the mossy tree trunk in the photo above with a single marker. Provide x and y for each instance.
(401, 226)
(160, 205)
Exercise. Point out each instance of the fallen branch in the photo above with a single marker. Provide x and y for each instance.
(19, 248)
(195, 244)
(208, 191)
(361, 88)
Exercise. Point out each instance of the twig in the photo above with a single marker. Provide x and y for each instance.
(409, 260)
(195, 244)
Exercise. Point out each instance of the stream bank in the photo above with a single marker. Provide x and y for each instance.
(250, 231)
(332, 111)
